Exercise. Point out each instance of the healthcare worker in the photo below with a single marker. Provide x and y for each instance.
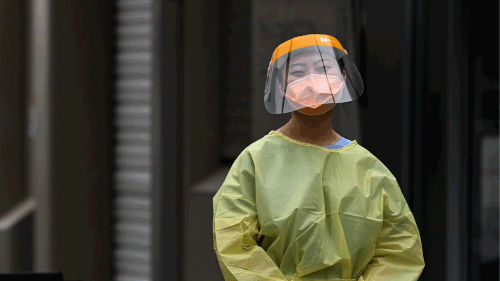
(303, 203)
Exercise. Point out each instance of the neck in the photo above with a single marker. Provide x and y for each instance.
(311, 128)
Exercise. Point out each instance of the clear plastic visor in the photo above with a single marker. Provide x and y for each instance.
(310, 78)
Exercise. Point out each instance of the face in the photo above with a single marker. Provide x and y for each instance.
(313, 63)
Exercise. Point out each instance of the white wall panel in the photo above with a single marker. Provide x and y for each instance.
(132, 205)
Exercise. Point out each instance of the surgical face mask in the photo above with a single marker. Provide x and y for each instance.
(314, 90)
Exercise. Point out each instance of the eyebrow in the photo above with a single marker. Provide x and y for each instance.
(320, 60)
(325, 59)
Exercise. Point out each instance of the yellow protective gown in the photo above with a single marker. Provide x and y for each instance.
(289, 210)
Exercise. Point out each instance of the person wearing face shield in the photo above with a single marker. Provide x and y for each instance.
(303, 203)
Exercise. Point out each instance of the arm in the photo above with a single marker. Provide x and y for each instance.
(398, 252)
(235, 226)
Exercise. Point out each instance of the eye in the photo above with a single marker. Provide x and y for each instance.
(298, 73)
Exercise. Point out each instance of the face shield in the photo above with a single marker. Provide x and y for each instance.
(310, 72)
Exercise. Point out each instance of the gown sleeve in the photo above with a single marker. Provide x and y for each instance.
(398, 253)
(235, 226)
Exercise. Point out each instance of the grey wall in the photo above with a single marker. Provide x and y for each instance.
(81, 97)
(14, 40)
(201, 90)
(201, 145)
(16, 241)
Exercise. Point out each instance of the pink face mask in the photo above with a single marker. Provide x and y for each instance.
(314, 90)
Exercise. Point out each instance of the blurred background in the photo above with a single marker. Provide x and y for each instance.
(120, 119)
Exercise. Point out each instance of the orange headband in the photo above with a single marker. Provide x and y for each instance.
(305, 41)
